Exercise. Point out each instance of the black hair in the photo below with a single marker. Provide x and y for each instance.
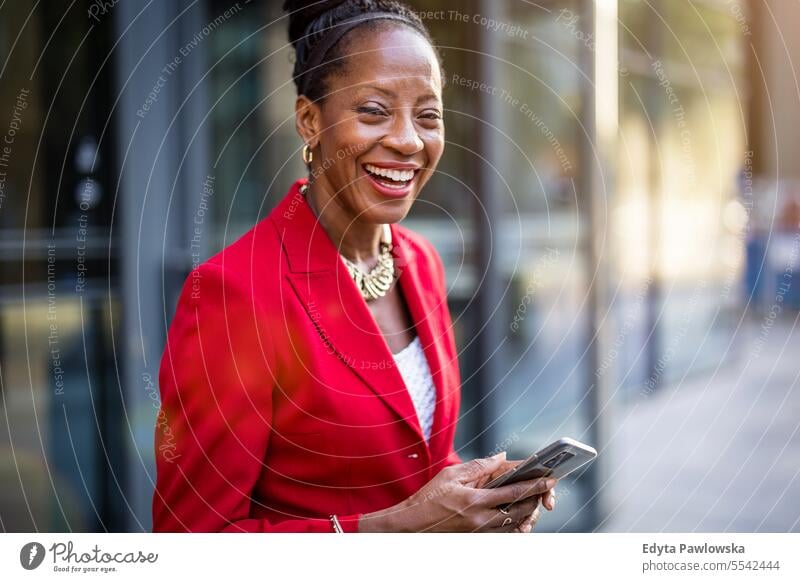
(310, 21)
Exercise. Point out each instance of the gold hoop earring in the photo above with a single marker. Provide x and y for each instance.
(308, 155)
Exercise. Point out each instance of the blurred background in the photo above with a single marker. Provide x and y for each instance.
(618, 211)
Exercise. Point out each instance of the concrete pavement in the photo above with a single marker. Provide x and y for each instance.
(719, 452)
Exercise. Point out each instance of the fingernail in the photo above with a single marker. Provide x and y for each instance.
(501, 455)
(552, 501)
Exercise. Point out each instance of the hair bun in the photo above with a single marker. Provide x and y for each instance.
(303, 12)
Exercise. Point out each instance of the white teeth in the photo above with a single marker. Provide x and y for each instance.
(395, 175)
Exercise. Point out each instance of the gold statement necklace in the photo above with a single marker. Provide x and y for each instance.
(377, 282)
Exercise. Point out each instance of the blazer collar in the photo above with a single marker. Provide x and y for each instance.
(344, 321)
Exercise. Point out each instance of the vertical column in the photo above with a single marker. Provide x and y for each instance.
(487, 242)
(601, 106)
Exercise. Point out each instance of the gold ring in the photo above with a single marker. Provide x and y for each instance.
(507, 521)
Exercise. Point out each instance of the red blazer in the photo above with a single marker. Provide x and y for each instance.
(280, 403)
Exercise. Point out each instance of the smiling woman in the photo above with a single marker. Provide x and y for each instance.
(321, 393)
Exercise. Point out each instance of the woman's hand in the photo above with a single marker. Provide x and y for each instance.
(547, 499)
(453, 501)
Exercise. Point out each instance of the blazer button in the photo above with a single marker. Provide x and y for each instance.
(413, 456)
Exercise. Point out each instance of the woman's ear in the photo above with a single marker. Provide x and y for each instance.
(308, 120)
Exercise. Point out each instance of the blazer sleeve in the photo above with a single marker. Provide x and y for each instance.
(213, 427)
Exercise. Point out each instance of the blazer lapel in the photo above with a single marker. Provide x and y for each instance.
(423, 303)
(335, 306)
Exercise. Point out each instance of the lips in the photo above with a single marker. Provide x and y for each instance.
(393, 180)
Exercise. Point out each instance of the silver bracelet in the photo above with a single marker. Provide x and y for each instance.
(337, 527)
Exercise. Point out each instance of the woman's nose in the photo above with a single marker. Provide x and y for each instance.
(403, 136)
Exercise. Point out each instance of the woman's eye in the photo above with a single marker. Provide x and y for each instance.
(370, 110)
(432, 115)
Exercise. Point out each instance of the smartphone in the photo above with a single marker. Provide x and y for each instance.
(556, 460)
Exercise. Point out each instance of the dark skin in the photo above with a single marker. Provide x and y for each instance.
(386, 108)
(387, 117)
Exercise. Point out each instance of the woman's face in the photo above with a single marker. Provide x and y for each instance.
(381, 132)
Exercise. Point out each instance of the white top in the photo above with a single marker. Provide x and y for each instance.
(413, 367)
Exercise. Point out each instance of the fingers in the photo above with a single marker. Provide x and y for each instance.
(526, 526)
(532, 520)
(517, 491)
(477, 468)
(522, 510)
(549, 500)
(529, 523)
(504, 467)
(509, 519)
